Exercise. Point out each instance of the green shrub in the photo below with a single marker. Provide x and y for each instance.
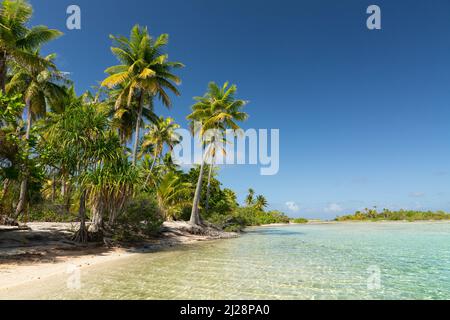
(46, 212)
(246, 217)
(300, 221)
(140, 219)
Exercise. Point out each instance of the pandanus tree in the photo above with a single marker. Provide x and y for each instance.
(80, 139)
(40, 86)
(56, 168)
(109, 186)
(17, 41)
(144, 73)
(217, 111)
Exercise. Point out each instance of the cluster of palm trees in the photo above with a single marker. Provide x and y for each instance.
(259, 202)
(101, 149)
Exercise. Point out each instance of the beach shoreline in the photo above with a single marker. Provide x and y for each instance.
(47, 255)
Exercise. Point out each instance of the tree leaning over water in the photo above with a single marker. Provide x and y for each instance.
(218, 110)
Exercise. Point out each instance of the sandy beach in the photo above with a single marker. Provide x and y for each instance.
(44, 251)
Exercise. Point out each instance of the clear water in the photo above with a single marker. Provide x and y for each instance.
(335, 261)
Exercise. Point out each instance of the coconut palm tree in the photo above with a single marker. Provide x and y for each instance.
(17, 40)
(40, 86)
(172, 193)
(250, 200)
(217, 111)
(160, 133)
(144, 73)
(123, 116)
(261, 203)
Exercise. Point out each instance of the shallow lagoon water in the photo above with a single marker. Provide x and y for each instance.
(321, 261)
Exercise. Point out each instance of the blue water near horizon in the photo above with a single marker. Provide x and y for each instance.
(317, 261)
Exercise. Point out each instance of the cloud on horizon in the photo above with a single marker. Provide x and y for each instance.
(333, 208)
(293, 206)
(417, 194)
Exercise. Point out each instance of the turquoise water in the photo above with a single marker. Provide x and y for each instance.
(333, 261)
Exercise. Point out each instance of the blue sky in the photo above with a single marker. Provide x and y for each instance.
(363, 115)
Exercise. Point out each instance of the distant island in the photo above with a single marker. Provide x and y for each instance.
(401, 215)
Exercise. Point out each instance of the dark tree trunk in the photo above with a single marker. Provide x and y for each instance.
(53, 188)
(67, 195)
(81, 235)
(3, 70)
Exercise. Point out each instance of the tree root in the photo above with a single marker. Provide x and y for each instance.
(81, 236)
(6, 221)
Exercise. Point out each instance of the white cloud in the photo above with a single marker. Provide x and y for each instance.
(292, 206)
(333, 207)
(417, 194)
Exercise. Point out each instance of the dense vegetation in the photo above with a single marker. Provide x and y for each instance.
(103, 158)
(402, 215)
(299, 221)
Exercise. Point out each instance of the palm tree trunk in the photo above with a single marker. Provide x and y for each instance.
(24, 184)
(195, 216)
(208, 188)
(3, 69)
(153, 163)
(151, 169)
(138, 128)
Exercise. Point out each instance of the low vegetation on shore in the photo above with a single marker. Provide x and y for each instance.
(103, 158)
(401, 215)
(299, 221)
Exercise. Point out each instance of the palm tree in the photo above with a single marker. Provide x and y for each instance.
(172, 193)
(217, 110)
(160, 133)
(39, 85)
(261, 203)
(249, 201)
(143, 74)
(17, 40)
(208, 185)
(231, 198)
